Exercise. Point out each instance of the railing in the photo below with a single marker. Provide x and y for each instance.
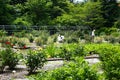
(54, 28)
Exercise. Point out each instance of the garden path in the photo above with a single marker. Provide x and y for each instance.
(21, 70)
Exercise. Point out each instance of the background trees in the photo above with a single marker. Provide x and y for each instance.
(6, 11)
(92, 13)
(110, 12)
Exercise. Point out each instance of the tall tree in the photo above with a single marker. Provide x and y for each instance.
(110, 11)
(91, 15)
(38, 11)
(13, 2)
(6, 12)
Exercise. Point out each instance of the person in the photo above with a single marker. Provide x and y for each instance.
(93, 35)
(60, 38)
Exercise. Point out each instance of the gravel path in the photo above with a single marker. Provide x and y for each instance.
(21, 70)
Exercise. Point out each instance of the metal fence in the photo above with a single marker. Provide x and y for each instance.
(53, 29)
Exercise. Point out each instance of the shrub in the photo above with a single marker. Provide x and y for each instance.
(52, 51)
(110, 57)
(71, 36)
(21, 44)
(9, 58)
(1, 63)
(30, 37)
(13, 41)
(36, 33)
(69, 51)
(20, 34)
(3, 33)
(79, 51)
(66, 54)
(35, 60)
(3, 39)
(41, 40)
(74, 70)
(72, 40)
(52, 39)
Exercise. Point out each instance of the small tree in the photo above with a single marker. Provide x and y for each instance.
(35, 60)
(9, 57)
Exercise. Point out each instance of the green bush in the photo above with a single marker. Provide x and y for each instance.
(3, 39)
(35, 60)
(108, 31)
(9, 58)
(30, 37)
(79, 51)
(20, 34)
(1, 63)
(74, 70)
(37, 33)
(110, 57)
(71, 36)
(72, 40)
(70, 51)
(21, 44)
(3, 33)
(52, 51)
(66, 54)
(14, 40)
(41, 40)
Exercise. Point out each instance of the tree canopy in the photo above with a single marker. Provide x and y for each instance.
(92, 13)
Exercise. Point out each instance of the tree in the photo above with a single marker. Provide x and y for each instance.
(110, 11)
(6, 11)
(38, 11)
(91, 15)
(13, 2)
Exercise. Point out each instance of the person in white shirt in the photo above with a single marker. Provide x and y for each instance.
(93, 35)
(60, 38)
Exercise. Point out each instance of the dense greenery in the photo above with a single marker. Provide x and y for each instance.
(102, 15)
(9, 58)
(74, 70)
(92, 13)
(35, 60)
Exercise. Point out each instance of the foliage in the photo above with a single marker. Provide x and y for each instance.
(110, 61)
(20, 34)
(9, 58)
(21, 44)
(3, 33)
(52, 51)
(6, 12)
(91, 15)
(74, 70)
(52, 39)
(70, 51)
(62, 12)
(109, 55)
(1, 63)
(21, 21)
(107, 7)
(30, 37)
(13, 40)
(66, 54)
(35, 60)
(3, 39)
(42, 38)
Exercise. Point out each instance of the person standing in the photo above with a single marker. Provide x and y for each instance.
(60, 38)
(93, 35)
